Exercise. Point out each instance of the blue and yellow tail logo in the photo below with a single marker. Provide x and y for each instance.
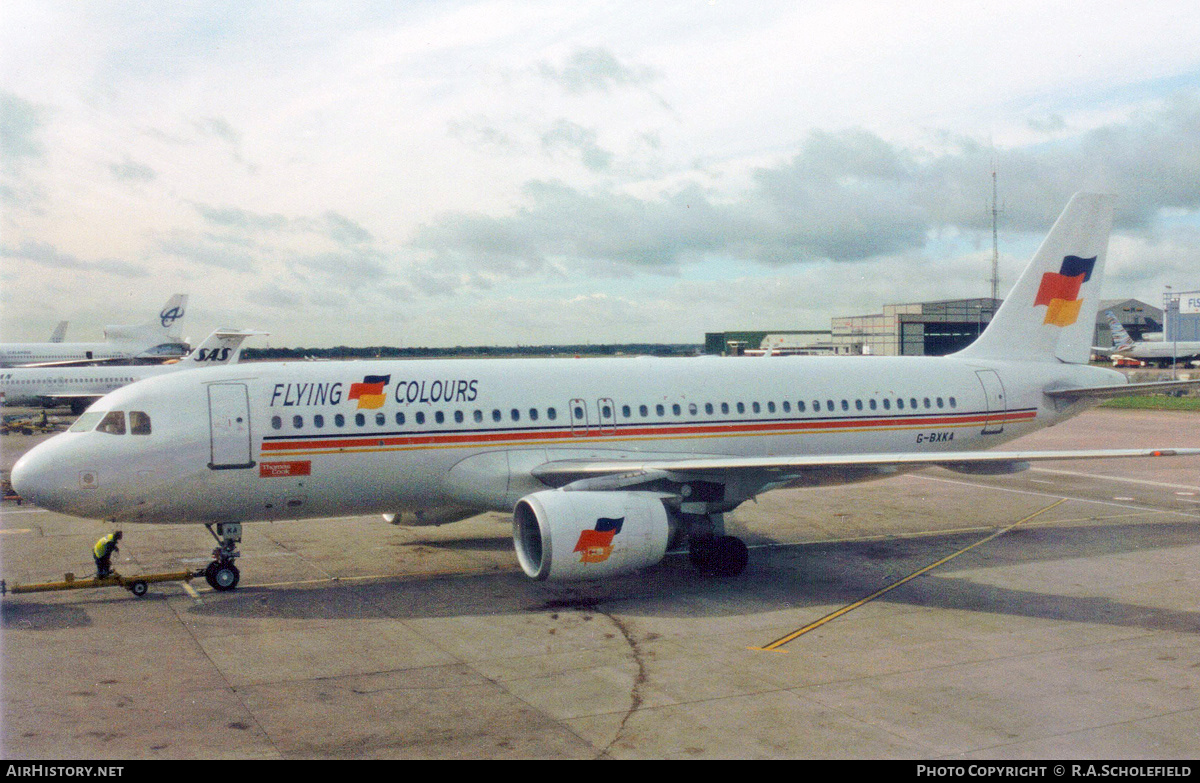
(1059, 291)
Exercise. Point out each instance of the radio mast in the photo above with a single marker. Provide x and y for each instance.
(995, 239)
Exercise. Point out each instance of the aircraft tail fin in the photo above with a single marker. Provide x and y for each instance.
(1050, 314)
(167, 326)
(60, 332)
(223, 346)
(1121, 339)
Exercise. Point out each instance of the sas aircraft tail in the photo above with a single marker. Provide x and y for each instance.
(1050, 314)
(224, 346)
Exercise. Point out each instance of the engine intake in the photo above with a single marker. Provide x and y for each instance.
(563, 536)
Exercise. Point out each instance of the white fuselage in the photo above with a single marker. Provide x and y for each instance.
(18, 354)
(1161, 351)
(291, 440)
(36, 386)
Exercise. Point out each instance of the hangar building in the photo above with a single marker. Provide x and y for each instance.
(1182, 315)
(919, 329)
(1138, 318)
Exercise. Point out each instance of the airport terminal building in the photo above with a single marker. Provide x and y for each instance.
(917, 329)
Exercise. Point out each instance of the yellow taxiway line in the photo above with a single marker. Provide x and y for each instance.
(779, 643)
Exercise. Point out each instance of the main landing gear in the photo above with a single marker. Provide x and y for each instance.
(711, 551)
(221, 573)
(719, 555)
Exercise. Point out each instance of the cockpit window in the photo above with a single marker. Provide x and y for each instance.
(113, 423)
(87, 422)
(139, 423)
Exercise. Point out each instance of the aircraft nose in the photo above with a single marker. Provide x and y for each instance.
(24, 478)
(35, 479)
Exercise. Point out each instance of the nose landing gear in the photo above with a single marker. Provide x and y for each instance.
(221, 574)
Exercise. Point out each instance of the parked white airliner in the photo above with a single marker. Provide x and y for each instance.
(159, 338)
(81, 386)
(1163, 353)
(604, 463)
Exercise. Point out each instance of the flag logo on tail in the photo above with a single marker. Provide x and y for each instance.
(1059, 291)
(370, 393)
(595, 546)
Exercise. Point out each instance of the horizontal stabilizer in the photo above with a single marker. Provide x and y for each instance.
(1122, 390)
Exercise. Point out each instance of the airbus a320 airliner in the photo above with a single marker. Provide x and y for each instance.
(603, 463)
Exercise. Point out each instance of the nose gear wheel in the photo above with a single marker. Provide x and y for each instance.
(221, 574)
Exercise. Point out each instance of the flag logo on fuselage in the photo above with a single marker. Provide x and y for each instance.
(595, 546)
(370, 393)
(1059, 291)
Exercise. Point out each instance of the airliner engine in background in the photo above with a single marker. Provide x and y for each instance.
(81, 386)
(604, 463)
(158, 339)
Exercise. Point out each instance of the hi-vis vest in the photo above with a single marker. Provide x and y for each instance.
(105, 546)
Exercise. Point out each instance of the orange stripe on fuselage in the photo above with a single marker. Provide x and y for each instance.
(300, 445)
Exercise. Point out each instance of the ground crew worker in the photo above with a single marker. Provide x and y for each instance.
(103, 552)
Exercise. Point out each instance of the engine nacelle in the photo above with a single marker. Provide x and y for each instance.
(562, 536)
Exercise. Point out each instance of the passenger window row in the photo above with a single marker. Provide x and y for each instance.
(801, 406)
(39, 381)
(627, 411)
(420, 417)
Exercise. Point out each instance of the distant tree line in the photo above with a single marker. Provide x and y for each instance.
(468, 352)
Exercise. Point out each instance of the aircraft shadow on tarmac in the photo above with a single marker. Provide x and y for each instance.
(18, 615)
(793, 577)
(809, 579)
(497, 544)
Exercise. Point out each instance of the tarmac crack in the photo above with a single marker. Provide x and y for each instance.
(256, 723)
(636, 694)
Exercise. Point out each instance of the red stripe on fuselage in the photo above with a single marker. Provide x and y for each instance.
(664, 431)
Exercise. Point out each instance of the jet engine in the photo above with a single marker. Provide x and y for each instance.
(564, 535)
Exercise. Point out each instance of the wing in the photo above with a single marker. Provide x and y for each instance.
(121, 360)
(820, 470)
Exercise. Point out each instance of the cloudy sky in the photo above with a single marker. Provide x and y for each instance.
(444, 173)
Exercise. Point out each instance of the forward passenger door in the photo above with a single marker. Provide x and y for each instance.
(229, 423)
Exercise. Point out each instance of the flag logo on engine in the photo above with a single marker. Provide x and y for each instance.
(595, 546)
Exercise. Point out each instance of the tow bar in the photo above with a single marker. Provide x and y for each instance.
(138, 585)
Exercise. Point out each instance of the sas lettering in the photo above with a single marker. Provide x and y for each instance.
(455, 390)
(212, 354)
(288, 395)
(934, 437)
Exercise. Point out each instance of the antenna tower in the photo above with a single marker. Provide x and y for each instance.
(995, 210)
